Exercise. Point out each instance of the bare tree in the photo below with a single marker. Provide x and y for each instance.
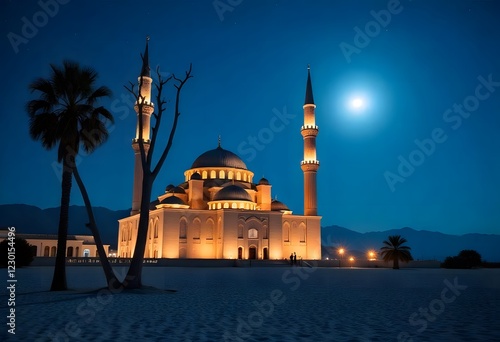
(133, 279)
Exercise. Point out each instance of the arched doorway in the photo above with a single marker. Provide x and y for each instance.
(240, 252)
(265, 254)
(252, 253)
(182, 253)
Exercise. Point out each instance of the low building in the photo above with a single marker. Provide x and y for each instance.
(45, 245)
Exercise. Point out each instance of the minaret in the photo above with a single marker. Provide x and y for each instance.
(310, 164)
(145, 82)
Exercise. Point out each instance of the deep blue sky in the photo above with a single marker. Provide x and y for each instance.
(253, 62)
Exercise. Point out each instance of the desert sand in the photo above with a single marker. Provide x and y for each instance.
(259, 304)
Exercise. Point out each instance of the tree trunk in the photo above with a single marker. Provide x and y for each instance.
(59, 279)
(396, 264)
(111, 279)
(133, 280)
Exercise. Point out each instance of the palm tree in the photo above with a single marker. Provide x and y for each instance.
(65, 114)
(394, 251)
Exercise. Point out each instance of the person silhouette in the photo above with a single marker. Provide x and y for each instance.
(291, 259)
(294, 258)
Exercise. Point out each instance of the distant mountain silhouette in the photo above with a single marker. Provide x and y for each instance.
(425, 245)
(33, 220)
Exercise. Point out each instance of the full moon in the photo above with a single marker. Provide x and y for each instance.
(357, 103)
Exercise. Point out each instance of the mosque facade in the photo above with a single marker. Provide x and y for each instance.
(220, 211)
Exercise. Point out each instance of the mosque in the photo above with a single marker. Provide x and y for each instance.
(220, 211)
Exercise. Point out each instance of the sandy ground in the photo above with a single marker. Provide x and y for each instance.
(259, 304)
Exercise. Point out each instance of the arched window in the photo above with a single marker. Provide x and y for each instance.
(253, 233)
(302, 232)
(286, 232)
(210, 230)
(77, 252)
(238, 175)
(264, 232)
(156, 228)
(196, 228)
(204, 175)
(222, 174)
(182, 229)
(70, 252)
(213, 175)
(46, 251)
(234, 206)
(230, 175)
(53, 251)
(226, 205)
(245, 177)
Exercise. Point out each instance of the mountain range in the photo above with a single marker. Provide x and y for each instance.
(425, 245)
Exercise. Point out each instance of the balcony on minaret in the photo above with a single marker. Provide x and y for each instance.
(309, 130)
(309, 165)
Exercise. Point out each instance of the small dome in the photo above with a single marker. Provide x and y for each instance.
(196, 176)
(169, 187)
(263, 181)
(152, 205)
(278, 206)
(219, 157)
(232, 193)
(177, 190)
(172, 200)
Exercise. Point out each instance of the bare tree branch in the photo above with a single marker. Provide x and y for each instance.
(158, 166)
(159, 112)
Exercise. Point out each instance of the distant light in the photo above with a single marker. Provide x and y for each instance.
(351, 259)
(357, 103)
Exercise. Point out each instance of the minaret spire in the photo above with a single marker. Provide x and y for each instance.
(310, 164)
(146, 70)
(144, 108)
(309, 90)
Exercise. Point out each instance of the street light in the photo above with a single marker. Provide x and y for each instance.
(371, 255)
(341, 253)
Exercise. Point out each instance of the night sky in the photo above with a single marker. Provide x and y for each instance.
(427, 71)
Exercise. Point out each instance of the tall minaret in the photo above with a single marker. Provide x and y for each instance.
(310, 164)
(145, 82)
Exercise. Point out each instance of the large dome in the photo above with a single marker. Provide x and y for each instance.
(219, 157)
(232, 193)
